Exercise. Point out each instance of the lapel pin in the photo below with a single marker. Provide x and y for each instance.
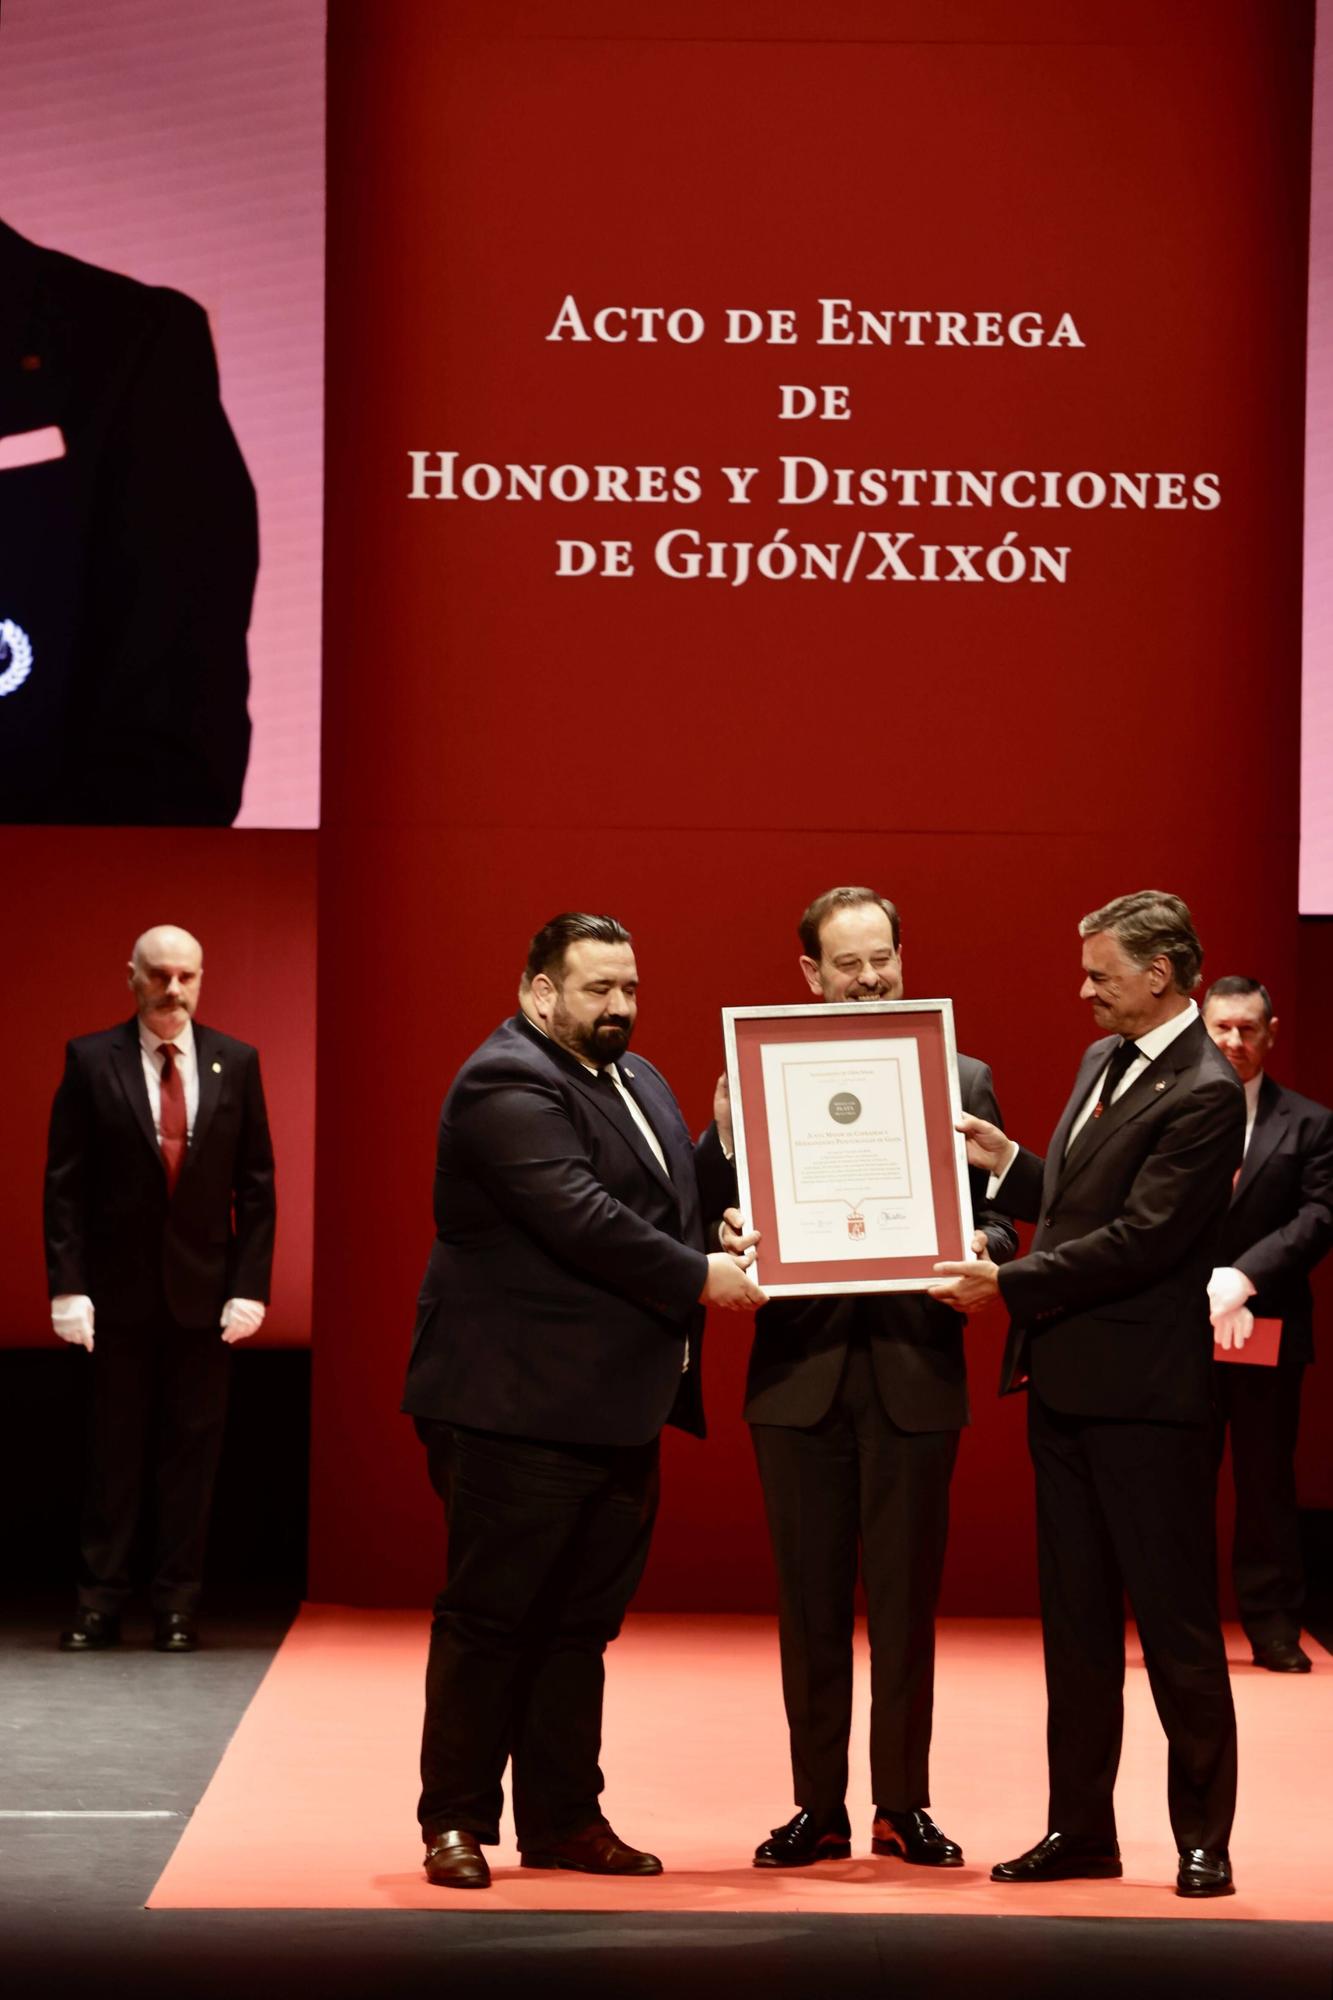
(1156, 1086)
(217, 1070)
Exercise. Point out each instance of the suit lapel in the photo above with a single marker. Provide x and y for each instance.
(209, 1067)
(127, 1061)
(1093, 1063)
(603, 1094)
(642, 1087)
(1147, 1089)
(1269, 1126)
(607, 1100)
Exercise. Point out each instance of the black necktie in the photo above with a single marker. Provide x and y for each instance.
(1121, 1058)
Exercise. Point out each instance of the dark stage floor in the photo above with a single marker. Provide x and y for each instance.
(134, 1733)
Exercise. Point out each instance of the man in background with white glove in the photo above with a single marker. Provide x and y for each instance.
(1279, 1224)
(160, 1216)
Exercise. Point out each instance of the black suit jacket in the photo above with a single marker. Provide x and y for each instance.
(111, 1231)
(564, 1281)
(1109, 1310)
(1280, 1222)
(129, 564)
(916, 1342)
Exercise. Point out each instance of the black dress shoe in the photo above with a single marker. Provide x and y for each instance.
(1205, 1872)
(1281, 1656)
(175, 1632)
(598, 1850)
(1061, 1857)
(805, 1839)
(913, 1836)
(91, 1632)
(454, 1859)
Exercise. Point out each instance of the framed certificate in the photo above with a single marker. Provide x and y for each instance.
(848, 1160)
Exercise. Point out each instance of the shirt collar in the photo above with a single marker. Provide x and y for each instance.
(151, 1043)
(1157, 1039)
(1252, 1089)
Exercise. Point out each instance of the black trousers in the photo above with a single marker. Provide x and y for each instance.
(856, 1485)
(1128, 1507)
(1262, 1408)
(157, 1417)
(547, 1543)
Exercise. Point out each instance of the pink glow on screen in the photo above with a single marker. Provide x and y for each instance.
(1316, 874)
(184, 146)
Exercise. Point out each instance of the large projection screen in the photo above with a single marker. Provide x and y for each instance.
(1316, 872)
(179, 147)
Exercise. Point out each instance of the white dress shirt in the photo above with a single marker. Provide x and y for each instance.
(640, 1120)
(1149, 1046)
(187, 1067)
(1252, 1089)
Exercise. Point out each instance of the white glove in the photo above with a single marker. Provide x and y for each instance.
(72, 1319)
(1233, 1329)
(1228, 1289)
(241, 1318)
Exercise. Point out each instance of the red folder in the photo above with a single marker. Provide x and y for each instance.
(1259, 1351)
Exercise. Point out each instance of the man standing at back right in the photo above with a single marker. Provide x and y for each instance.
(1278, 1226)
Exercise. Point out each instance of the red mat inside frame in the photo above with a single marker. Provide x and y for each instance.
(312, 1804)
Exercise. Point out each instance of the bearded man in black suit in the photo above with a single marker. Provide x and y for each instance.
(1109, 1335)
(559, 1327)
(160, 1219)
(855, 1405)
(1278, 1226)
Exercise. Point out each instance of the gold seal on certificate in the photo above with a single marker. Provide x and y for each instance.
(848, 1161)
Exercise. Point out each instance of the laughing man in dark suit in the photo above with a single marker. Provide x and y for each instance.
(855, 1406)
(159, 1244)
(558, 1329)
(1278, 1226)
(1109, 1334)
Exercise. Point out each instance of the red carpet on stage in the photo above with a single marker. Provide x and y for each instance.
(312, 1806)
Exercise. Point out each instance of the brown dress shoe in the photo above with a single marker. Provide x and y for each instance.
(597, 1850)
(454, 1860)
(914, 1836)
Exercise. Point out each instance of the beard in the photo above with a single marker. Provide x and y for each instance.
(609, 1038)
(599, 1041)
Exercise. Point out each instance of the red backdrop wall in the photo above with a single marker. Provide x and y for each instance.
(75, 900)
(501, 742)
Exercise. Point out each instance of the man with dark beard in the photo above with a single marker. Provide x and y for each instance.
(558, 1329)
